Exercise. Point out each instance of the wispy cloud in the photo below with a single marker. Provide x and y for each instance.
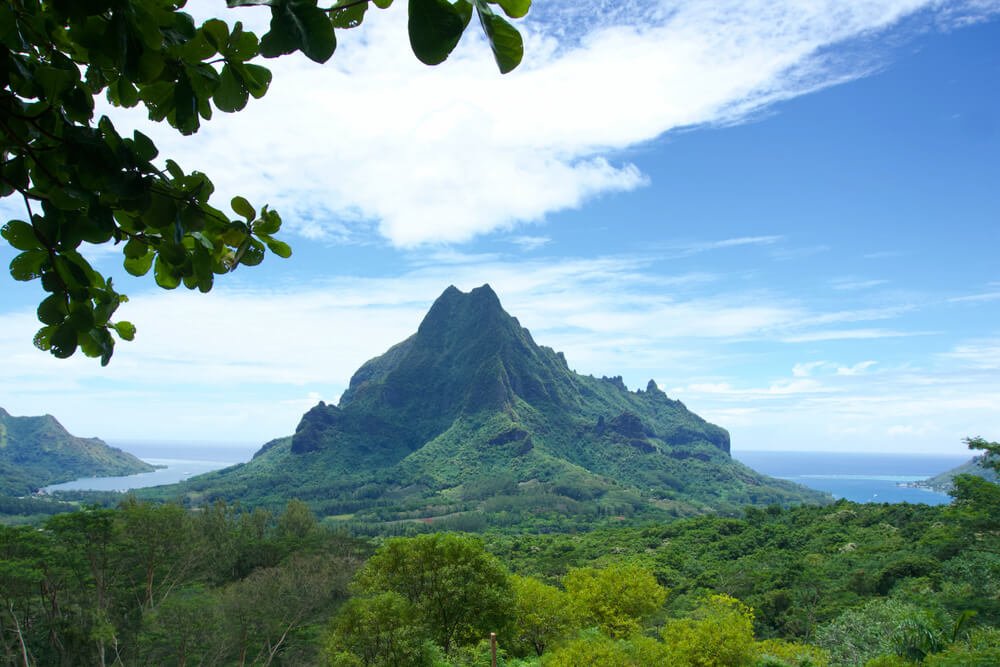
(977, 354)
(850, 334)
(976, 298)
(856, 369)
(688, 248)
(883, 254)
(529, 243)
(854, 284)
(806, 369)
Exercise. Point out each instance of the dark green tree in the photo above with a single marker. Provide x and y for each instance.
(81, 181)
(461, 592)
(381, 630)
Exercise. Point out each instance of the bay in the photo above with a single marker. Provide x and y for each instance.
(180, 460)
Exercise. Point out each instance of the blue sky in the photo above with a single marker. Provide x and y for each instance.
(786, 215)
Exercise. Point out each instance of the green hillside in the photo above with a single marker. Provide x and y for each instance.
(470, 421)
(37, 451)
(944, 482)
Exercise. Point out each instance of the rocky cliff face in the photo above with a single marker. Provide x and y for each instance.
(470, 357)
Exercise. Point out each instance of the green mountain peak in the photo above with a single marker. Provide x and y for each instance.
(470, 399)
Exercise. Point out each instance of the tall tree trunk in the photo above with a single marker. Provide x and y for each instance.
(20, 637)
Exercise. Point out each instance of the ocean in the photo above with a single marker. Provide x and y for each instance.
(859, 477)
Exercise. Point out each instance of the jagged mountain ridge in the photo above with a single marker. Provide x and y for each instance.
(469, 356)
(471, 402)
(37, 451)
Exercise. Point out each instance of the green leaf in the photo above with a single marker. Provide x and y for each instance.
(55, 81)
(63, 342)
(125, 329)
(504, 39)
(165, 275)
(43, 338)
(348, 17)
(123, 93)
(217, 33)
(98, 343)
(231, 95)
(435, 26)
(515, 9)
(382, 4)
(243, 207)
(135, 248)
(253, 254)
(28, 265)
(81, 318)
(52, 309)
(185, 116)
(13, 175)
(256, 79)
(242, 45)
(269, 223)
(139, 266)
(20, 235)
(279, 248)
(299, 25)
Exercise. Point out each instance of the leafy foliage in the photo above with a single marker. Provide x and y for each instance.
(616, 598)
(460, 591)
(719, 633)
(82, 182)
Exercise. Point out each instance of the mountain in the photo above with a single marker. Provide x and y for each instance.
(945, 481)
(37, 451)
(470, 417)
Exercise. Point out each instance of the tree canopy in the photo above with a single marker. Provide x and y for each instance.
(83, 182)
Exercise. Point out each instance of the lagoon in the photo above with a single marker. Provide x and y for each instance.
(859, 477)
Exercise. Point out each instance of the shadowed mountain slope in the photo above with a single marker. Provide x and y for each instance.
(470, 416)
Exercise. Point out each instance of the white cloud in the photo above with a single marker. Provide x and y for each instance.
(805, 369)
(856, 369)
(374, 140)
(530, 243)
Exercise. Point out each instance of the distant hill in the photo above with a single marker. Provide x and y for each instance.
(469, 417)
(38, 451)
(945, 481)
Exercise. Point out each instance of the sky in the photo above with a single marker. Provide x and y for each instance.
(785, 213)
